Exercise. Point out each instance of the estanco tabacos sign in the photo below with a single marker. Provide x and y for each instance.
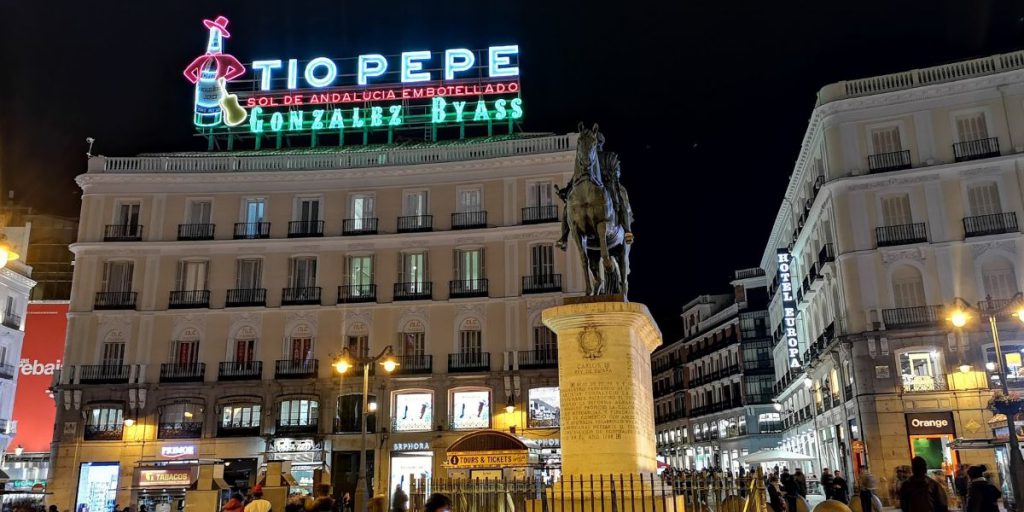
(455, 86)
(927, 423)
(785, 277)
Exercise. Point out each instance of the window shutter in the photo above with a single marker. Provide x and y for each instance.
(896, 210)
(984, 199)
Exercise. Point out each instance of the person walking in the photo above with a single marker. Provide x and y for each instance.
(801, 482)
(234, 504)
(918, 493)
(869, 500)
(960, 484)
(400, 500)
(775, 494)
(982, 496)
(789, 487)
(258, 504)
(840, 489)
(438, 502)
(826, 483)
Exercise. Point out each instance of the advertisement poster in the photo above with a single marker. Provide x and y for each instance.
(35, 411)
(471, 410)
(97, 486)
(414, 411)
(545, 408)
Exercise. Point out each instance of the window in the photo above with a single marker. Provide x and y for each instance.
(358, 345)
(191, 275)
(241, 416)
(470, 339)
(113, 353)
(414, 203)
(300, 348)
(117, 276)
(971, 127)
(545, 343)
(983, 199)
(470, 410)
(185, 351)
(540, 193)
(199, 211)
(350, 409)
(413, 271)
(307, 209)
(299, 412)
(469, 200)
(302, 272)
(181, 413)
(413, 412)
(128, 215)
(363, 208)
(921, 370)
(249, 274)
(254, 211)
(469, 264)
(896, 210)
(907, 287)
(542, 260)
(413, 344)
(545, 409)
(105, 418)
(886, 140)
(999, 278)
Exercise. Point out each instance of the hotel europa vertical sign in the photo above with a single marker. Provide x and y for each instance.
(785, 276)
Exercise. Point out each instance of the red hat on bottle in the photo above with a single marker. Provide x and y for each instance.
(221, 23)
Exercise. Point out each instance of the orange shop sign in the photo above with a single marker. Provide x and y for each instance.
(176, 477)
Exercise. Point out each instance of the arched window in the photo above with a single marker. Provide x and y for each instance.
(999, 278)
(300, 343)
(113, 349)
(243, 348)
(181, 420)
(358, 339)
(241, 418)
(350, 410)
(298, 412)
(907, 287)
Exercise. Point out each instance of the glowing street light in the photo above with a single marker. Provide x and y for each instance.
(6, 252)
(959, 318)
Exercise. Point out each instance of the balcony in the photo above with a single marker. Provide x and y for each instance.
(356, 227)
(414, 291)
(104, 432)
(104, 373)
(115, 300)
(297, 426)
(356, 293)
(469, 362)
(122, 233)
(8, 371)
(240, 370)
(415, 223)
(296, 369)
(180, 430)
(415, 365)
(923, 384)
(885, 162)
(994, 224)
(182, 372)
(12, 320)
(251, 230)
(537, 359)
(302, 296)
(888, 236)
(544, 283)
(469, 220)
(188, 299)
(305, 228)
(241, 297)
(917, 316)
(540, 214)
(195, 231)
(463, 288)
(237, 430)
(976, 149)
(827, 254)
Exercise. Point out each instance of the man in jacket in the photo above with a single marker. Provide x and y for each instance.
(920, 493)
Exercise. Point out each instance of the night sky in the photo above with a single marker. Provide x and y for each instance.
(706, 101)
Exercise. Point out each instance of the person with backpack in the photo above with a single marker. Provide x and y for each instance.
(920, 493)
(982, 496)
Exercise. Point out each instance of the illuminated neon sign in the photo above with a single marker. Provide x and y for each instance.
(785, 276)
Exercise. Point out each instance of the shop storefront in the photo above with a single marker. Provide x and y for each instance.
(161, 487)
(306, 456)
(488, 455)
(97, 486)
(410, 461)
(931, 435)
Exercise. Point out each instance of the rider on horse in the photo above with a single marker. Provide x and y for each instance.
(610, 174)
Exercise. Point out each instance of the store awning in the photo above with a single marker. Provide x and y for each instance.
(972, 444)
(773, 455)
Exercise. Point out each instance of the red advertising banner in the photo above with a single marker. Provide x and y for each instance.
(41, 354)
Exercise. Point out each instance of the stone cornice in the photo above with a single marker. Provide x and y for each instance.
(17, 278)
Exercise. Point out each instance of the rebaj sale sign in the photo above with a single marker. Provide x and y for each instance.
(41, 354)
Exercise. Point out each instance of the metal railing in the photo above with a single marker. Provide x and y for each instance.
(12, 320)
(8, 371)
(544, 283)
(976, 149)
(414, 291)
(184, 299)
(467, 288)
(241, 297)
(182, 372)
(305, 295)
(104, 432)
(305, 228)
(993, 224)
(180, 430)
(351, 424)
(364, 226)
(924, 384)
(469, 220)
(115, 300)
(251, 230)
(887, 236)
(237, 430)
(916, 316)
(469, 362)
(537, 359)
(240, 370)
(410, 365)
(103, 373)
(296, 369)
(885, 162)
(540, 214)
(122, 233)
(415, 223)
(196, 231)
(355, 293)
(297, 426)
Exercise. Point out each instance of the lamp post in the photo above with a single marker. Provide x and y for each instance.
(342, 364)
(960, 316)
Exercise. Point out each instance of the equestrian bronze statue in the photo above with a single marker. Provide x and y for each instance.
(597, 217)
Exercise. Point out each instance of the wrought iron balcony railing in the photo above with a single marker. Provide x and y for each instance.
(361, 226)
(976, 149)
(917, 316)
(415, 223)
(180, 430)
(467, 288)
(469, 362)
(240, 370)
(237, 430)
(540, 214)
(544, 283)
(182, 372)
(412, 365)
(887, 236)
(354, 293)
(296, 369)
(252, 230)
(298, 426)
(104, 373)
(196, 231)
(240, 297)
(994, 224)
(469, 220)
(300, 296)
(186, 299)
(537, 359)
(112, 432)
(885, 162)
(122, 233)
(305, 228)
(414, 291)
(115, 300)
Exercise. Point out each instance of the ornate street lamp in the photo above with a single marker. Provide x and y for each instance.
(961, 316)
(342, 364)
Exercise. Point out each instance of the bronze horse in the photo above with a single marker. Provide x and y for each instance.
(593, 225)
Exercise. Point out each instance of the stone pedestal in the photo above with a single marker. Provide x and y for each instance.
(604, 374)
